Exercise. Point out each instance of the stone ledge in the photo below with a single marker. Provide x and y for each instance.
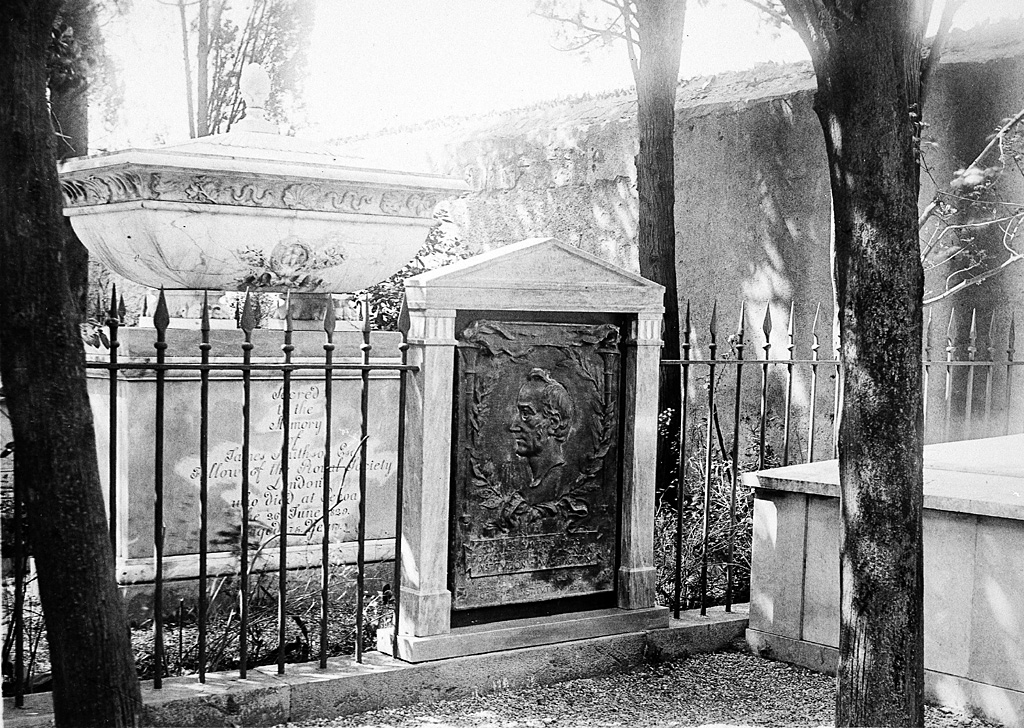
(518, 633)
(306, 692)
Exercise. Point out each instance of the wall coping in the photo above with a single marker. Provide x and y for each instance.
(980, 477)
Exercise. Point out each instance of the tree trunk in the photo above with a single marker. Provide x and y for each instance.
(44, 378)
(202, 70)
(661, 39)
(660, 24)
(868, 68)
(69, 110)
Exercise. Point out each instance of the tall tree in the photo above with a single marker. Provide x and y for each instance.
(867, 60)
(653, 34)
(75, 46)
(652, 31)
(42, 365)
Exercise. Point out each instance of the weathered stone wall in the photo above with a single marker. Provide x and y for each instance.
(752, 205)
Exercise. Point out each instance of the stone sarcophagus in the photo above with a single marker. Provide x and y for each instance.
(528, 503)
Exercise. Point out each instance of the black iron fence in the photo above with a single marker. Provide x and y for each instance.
(755, 399)
(151, 653)
(766, 397)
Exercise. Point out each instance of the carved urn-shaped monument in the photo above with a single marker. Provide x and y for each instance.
(249, 210)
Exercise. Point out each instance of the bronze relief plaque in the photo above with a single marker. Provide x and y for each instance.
(535, 510)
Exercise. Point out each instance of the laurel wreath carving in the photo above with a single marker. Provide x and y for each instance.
(498, 494)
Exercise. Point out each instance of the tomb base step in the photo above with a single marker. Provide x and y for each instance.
(517, 633)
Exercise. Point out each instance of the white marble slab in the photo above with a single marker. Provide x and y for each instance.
(981, 477)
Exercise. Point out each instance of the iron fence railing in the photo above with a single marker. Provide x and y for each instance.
(780, 411)
(242, 367)
(747, 403)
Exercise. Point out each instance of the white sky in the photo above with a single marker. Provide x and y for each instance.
(389, 62)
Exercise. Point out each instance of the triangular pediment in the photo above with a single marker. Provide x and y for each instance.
(532, 262)
(539, 271)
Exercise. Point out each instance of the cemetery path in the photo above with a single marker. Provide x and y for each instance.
(721, 689)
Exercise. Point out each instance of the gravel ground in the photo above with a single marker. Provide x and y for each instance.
(725, 688)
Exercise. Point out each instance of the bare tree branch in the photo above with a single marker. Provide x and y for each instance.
(975, 281)
(974, 178)
(772, 10)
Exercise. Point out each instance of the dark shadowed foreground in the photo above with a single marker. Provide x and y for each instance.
(726, 688)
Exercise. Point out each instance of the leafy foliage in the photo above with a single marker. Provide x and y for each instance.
(441, 248)
(725, 536)
(77, 58)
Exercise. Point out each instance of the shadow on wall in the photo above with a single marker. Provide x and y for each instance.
(754, 224)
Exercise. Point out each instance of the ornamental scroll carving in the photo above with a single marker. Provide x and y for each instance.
(535, 512)
(83, 189)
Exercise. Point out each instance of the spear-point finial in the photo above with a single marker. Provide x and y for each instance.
(713, 325)
(204, 324)
(366, 312)
(991, 334)
(112, 313)
(330, 317)
(122, 310)
(687, 330)
(404, 321)
(287, 316)
(247, 322)
(973, 335)
(161, 317)
(766, 325)
(1013, 334)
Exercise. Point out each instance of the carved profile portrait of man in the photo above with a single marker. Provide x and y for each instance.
(544, 418)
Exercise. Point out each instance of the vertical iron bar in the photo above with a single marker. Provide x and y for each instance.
(972, 350)
(161, 319)
(247, 322)
(325, 541)
(791, 346)
(814, 385)
(712, 347)
(204, 456)
(20, 563)
(282, 567)
(989, 374)
(681, 464)
(837, 402)
(926, 363)
(396, 587)
(364, 399)
(1011, 336)
(112, 324)
(766, 327)
(950, 350)
(735, 458)
(181, 635)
